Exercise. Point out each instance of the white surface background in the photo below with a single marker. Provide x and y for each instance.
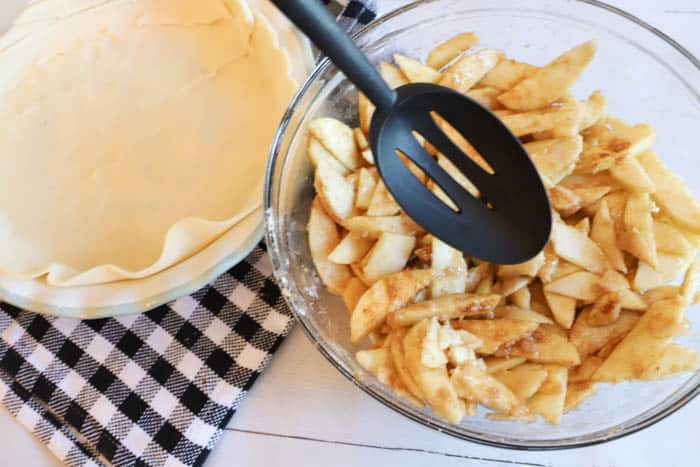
(303, 412)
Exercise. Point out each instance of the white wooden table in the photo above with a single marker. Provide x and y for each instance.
(302, 412)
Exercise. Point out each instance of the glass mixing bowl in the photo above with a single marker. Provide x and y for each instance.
(646, 76)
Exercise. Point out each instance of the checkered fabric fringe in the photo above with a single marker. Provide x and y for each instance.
(354, 13)
(153, 389)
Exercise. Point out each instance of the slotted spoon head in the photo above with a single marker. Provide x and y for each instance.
(511, 220)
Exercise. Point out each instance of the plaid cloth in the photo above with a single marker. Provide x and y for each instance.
(151, 389)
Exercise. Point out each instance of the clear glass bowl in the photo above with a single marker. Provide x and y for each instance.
(646, 76)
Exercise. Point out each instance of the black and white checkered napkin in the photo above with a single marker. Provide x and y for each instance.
(151, 389)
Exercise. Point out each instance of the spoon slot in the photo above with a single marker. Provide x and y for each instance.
(453, 188)
(459, 140)
(428, 182)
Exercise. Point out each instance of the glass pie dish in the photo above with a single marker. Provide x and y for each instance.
(185, 277)
(646, 76)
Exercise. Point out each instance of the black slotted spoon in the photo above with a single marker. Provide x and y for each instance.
(510, 222)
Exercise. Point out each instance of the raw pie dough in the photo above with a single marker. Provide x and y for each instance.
(133, 133)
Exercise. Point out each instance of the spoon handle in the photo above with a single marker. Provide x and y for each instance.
(319, 25)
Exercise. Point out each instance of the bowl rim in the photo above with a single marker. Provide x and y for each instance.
(276, 157)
